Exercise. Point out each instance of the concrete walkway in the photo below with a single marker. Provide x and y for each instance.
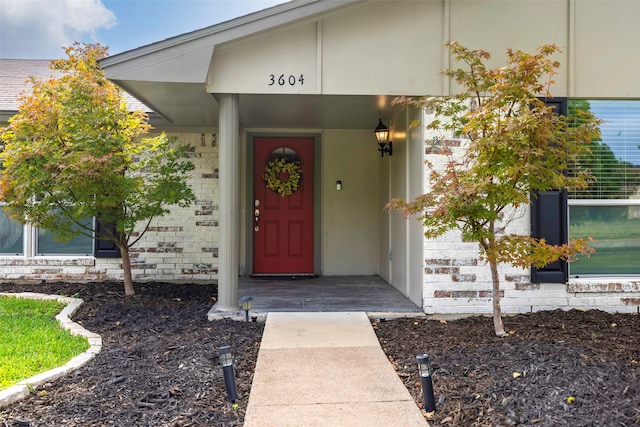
(326, 369)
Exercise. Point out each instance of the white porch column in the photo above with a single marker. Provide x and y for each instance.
(229, 206)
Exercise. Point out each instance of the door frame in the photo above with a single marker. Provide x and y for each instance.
(246, 265)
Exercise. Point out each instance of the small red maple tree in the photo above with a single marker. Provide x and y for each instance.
(517, 145)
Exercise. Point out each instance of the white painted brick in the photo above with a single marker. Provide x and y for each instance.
(515, 300)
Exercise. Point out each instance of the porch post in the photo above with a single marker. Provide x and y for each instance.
(229, 178)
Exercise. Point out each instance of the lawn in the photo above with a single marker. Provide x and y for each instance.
(31, 340)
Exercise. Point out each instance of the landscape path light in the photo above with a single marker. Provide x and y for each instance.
(246, 306)
(226, 360)
(424, 368)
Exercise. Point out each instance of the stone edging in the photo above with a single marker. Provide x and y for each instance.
(22, 389)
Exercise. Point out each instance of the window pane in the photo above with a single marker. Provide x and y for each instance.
(616, 231)
(48, 245)
(11, 235)
(615, 158)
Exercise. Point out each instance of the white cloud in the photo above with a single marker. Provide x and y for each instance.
(40, 28)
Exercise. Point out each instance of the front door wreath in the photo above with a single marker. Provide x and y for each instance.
(282, 176)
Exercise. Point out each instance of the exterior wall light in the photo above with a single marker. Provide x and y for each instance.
(424, 368)
(226, 360)
(382, 135)
(246, 306)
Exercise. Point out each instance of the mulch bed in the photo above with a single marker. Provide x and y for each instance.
(575, 368)
(159, 364)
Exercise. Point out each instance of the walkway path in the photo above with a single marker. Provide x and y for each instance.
(326, 369)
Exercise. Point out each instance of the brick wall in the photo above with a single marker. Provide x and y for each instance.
(180, 246)
(457, 281)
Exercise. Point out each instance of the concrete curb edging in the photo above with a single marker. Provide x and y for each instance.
(22, 389)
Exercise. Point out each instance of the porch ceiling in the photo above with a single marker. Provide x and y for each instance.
(310, 111)
(188, 105)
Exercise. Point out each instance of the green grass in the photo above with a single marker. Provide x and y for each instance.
(31, 340)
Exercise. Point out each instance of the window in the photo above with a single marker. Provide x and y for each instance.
(11, 235)
(609, 209)
(12, 241)
(47, 244)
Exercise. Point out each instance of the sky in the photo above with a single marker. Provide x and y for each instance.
(39, 29)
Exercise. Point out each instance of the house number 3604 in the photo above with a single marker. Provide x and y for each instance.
(284, 80)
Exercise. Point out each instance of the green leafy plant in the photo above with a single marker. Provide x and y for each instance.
(516, 145)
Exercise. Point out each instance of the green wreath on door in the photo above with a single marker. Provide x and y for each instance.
(283, 177)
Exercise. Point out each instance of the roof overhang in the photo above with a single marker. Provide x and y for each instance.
(170, 76)
(189, 105)
(5, 115)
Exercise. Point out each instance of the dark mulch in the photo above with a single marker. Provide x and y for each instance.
(159, 366)
(575, 368)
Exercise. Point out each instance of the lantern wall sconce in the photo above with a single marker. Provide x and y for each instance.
(382, 135)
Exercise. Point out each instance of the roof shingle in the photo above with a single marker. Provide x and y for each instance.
(14, 80)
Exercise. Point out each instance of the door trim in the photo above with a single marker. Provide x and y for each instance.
(247, 200)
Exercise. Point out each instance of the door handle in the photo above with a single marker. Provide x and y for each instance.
(256, 216)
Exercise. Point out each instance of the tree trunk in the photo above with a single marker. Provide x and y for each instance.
(126, 267)
(497, 312)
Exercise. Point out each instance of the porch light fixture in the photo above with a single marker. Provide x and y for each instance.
(226, 360)
(246, 306)
(382, 135)
(424, 368)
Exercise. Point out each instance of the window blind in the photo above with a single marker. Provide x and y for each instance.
(615, 158)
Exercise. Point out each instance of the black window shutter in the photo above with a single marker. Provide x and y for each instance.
(105, 248)
(549, 220)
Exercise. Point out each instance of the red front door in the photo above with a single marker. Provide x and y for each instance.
(283, 206)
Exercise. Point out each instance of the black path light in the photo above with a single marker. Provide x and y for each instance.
(246, 306)
(226, 360)
(424, 368)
